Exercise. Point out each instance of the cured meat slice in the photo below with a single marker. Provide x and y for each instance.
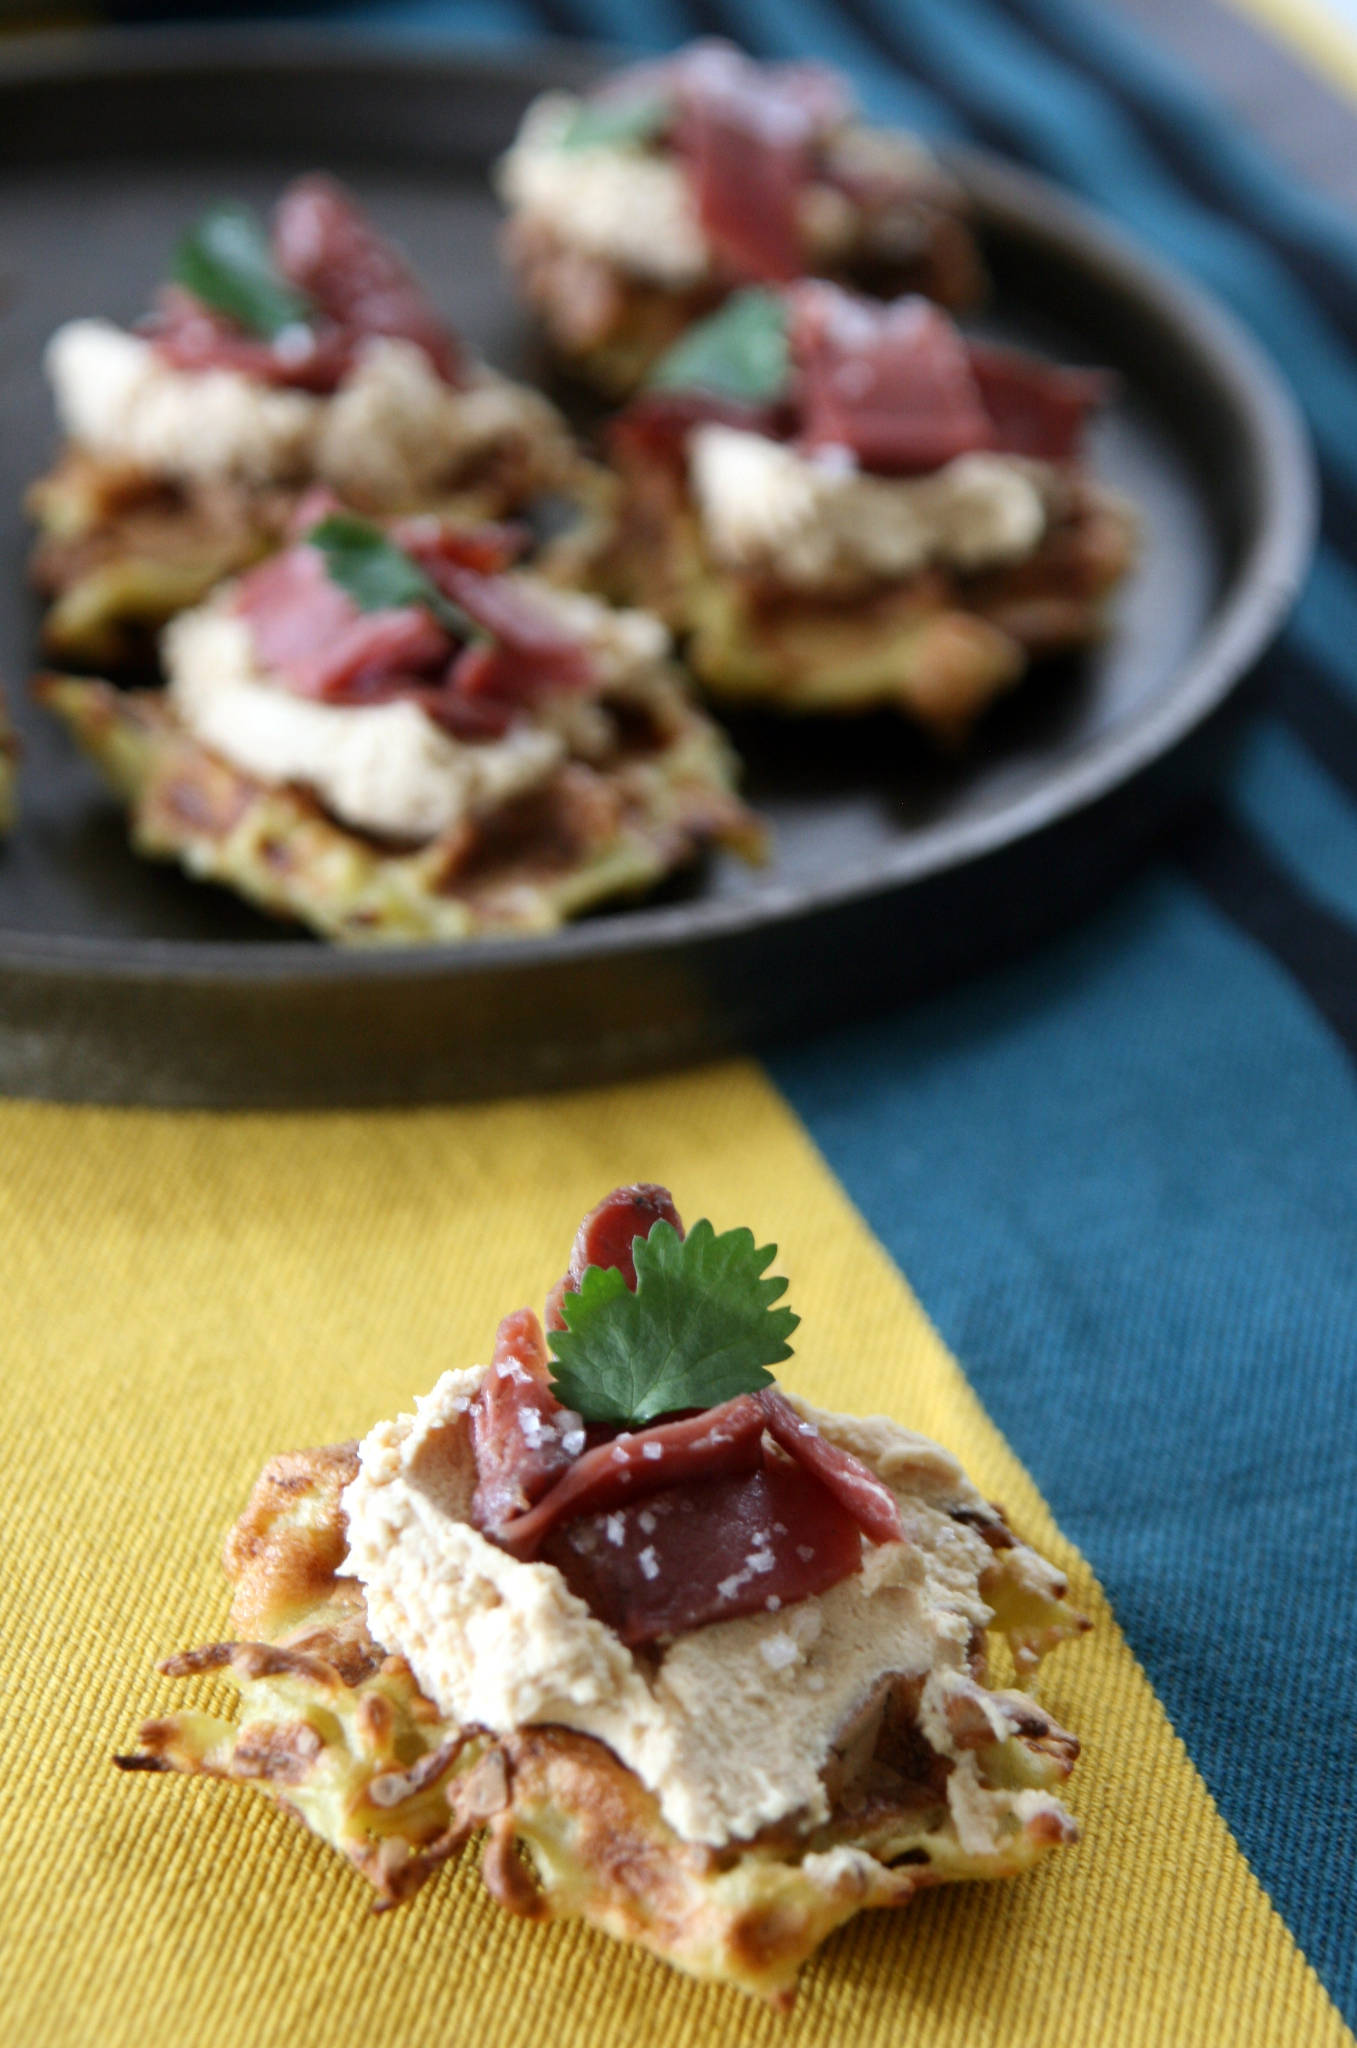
(656, 426)
(462, 716)
(190, 336)
(522, 1436)
(371, 649)
(606, 1236)
(891, 383)
(642, 1462)
(1037, 408)
(536, 652)
(292, 606)
(308, 630)
(748, 155)
(868, 1499)
(746, 133)
(708, 1551)
(325, 246)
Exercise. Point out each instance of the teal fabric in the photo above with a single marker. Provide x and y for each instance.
(1123, 1175)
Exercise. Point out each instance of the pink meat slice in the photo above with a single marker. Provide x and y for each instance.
(463, 717)
(403, 641)
(691, 1520)
(190, 336)
(854, 1485)
(309, 631)
(312, 634)
(655, 427)
(607, 1234)
(716, 1548)
(292, 607)
(892, 383)
(639, 1463)
(535, 651)
(431, 540)
(523, 1438)
(325, 245)
(1038, 409)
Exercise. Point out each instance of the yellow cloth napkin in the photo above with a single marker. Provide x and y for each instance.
(183, 1296)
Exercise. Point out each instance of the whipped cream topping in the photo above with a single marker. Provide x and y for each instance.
(629, 205)
(815, 520)
(389, 435)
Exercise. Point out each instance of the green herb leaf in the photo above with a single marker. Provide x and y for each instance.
(379, 576)
(225, 260)
(740, 352)
(616, 123)
(700, 1328)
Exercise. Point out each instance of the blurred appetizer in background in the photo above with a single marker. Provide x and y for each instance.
(272, 362)
(711, 1665)
(9, 769)
(841, 504)
(392, 736)
(635, 209)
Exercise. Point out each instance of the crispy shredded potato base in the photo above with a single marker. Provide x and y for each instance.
(339, 1734)
(937, 646)
(595, 834)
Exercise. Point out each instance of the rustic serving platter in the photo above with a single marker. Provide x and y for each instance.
(893, 866)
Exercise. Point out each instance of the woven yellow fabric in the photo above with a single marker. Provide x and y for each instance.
(183, 1296)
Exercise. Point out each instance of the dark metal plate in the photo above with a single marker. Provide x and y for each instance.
(122, 981)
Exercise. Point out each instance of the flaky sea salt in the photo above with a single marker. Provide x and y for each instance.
(779, 1651)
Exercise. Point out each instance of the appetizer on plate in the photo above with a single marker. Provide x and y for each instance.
(9, 769)
(270, 364)
(392, 736)
(635, 209)
(843, 504)
(712, 1666)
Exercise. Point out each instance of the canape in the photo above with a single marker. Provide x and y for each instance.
(841, 504)
(635, 208)
(271, 363)
(711, 1666)
(392, 736)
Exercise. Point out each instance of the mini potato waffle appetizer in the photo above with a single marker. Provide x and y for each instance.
(272, 363)
(391, 737)
(711, 1667)
(842, 505)
(634, 211)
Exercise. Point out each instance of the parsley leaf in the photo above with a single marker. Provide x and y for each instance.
(700, 1328)
(225, 260)
(616, 123)
(740, 352)
(378, 575)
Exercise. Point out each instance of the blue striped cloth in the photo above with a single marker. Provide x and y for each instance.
(1123, 1174)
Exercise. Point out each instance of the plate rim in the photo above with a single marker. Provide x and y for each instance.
(1262, 588)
